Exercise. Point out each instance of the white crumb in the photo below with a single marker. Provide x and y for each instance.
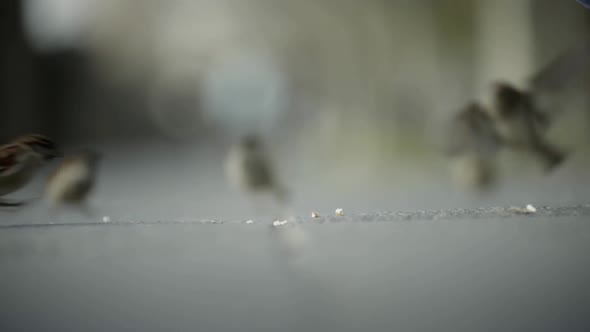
(249, 221)
(106, 219)
(315, 214)
(339, 212)
(526, 210)
(279, 222)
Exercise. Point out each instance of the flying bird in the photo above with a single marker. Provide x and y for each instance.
(523, 116)
(522, 125)
(515, 118)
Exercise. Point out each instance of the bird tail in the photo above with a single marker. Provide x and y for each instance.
(12, 204)
(17, 204)
(550, 155)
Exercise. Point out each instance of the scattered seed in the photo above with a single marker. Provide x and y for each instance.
(527, 210)
(279, 222)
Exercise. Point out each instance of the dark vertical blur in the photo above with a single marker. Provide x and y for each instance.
(20, 73)
(58, 91)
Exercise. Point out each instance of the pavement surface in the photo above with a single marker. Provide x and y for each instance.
(500, 269)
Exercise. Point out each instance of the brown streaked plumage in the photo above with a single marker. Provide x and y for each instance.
(20, 160)
(40, 143)
(9, 155)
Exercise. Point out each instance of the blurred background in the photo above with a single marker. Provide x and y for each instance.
(351, 96)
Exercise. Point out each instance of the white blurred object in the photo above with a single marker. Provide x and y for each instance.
(73, 180)
(106, 219)
(249, 221)
(315, 215)
(279, 223)
(339, 212)
(54, 24)
(526, 210)
(245, 93)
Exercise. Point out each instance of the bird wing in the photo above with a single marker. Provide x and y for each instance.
(472, 131)
(552, 87)
(563, 71)
(8, 157)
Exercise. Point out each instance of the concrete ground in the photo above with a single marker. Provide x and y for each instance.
(489, 269)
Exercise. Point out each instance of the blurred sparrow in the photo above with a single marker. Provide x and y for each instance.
(249, 169)
(73, 180)
(472, 147)
(523, 116)
(20, 160)
(522, 125)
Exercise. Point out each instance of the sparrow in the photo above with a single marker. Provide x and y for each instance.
(522, 125)
(249, 169)
(472, 147)
(73, 180)
(521, 117)
(20, 160)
